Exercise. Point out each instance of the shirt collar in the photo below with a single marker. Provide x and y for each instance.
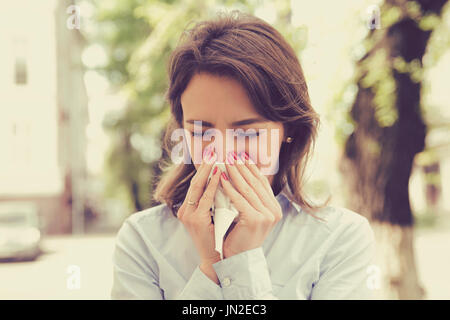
(284, 197)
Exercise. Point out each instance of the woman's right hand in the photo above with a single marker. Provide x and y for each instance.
(197, 217)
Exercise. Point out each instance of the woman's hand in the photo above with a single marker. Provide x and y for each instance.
(252, 195)
(197, 217)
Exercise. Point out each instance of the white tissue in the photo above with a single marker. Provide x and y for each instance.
(224, 212)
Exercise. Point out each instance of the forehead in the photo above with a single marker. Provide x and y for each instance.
(212, 96)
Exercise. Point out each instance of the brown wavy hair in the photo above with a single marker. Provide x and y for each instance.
(255, 54)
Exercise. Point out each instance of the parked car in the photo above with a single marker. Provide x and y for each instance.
(20, 235)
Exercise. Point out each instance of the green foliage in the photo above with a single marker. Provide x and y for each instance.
(390, 15)
(318, 190)
(373, 147)
(413, 9)
(340, 113)
(439, 41)
(413, 68)
(378, 77)
(139, 36)
(376, 70)
(428, 219)
(429, 22)
(427, 157)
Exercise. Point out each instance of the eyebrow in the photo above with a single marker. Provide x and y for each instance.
(234, 124)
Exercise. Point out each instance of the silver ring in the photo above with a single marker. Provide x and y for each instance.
(192, 203)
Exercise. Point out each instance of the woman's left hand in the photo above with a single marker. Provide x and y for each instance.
(252, 195)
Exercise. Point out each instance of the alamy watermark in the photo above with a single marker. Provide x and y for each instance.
(73, 21)
(373, 281)
(373, 17)
(74, 277)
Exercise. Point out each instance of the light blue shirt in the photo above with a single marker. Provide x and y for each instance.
(302, 258)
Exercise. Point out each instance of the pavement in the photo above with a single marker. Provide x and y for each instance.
(71, 267)
(432, 249)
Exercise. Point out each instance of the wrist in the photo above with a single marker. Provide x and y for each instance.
(210, 260)
(208, 270)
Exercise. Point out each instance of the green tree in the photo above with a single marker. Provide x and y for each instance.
(388, 131)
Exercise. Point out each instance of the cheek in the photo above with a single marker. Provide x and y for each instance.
(196, 150)
(268, 151)
(271, 142)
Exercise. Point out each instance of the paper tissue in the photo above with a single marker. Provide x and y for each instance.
(224, 213)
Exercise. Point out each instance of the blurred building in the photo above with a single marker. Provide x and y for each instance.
(43, 112)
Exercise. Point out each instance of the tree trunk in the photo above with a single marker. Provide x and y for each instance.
(388, 132)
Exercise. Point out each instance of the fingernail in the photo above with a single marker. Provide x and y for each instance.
(231, 157)
(215, 170)
(243, 155)
(211, 155)
(224, 176)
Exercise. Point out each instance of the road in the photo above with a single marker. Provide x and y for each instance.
(432, 249)
(52, 277)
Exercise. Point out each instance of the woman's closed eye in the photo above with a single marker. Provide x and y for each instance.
(247, 134)
(236, 134)
(198, 134)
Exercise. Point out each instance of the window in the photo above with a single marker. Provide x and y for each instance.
(20, 63)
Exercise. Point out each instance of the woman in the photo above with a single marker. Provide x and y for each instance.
(238, 72)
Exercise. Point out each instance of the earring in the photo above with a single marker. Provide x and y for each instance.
(289, 139)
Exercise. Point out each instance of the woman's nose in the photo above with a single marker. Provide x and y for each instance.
(222, 154)
(226, 146)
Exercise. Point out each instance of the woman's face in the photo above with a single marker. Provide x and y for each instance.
(221, 103)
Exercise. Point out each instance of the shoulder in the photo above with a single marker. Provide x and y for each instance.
(155, 212)
(338, 226)
(151, 221)
(346, 228)
(334, 218)
(134, 252)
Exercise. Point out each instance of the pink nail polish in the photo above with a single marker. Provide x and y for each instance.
(224, 176)
(211, 155)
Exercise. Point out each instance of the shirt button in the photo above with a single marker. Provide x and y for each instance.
(226, 282)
